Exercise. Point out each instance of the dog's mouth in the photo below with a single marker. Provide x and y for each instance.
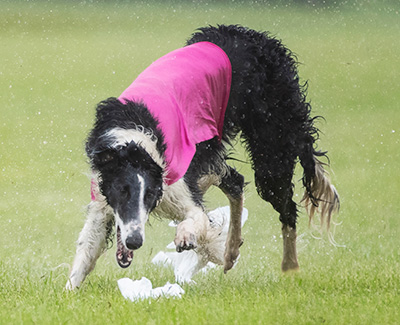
(124, 255)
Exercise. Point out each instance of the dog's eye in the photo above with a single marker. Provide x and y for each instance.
(149, 195)
(105, 158)
(150, 199)
(124, 191)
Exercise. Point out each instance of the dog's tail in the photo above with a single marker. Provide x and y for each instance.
(320, 195)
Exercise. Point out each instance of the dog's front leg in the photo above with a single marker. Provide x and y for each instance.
(91, 243)
(234, 239)
(192, 230)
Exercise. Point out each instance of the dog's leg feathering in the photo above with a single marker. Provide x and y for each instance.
(91, 243)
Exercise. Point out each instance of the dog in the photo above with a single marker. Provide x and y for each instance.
(165, 141)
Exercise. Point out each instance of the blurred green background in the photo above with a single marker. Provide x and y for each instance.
(59, 58)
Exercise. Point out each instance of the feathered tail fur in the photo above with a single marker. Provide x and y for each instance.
(320, 195)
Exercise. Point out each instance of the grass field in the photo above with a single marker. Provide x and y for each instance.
(58, 59)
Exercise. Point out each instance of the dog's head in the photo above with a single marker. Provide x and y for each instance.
(132, 183)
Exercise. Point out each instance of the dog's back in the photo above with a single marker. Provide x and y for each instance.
(268, 105)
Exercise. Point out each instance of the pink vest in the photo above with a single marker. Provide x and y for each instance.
(187, 90)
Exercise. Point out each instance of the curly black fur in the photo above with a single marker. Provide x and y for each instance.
(268, 105)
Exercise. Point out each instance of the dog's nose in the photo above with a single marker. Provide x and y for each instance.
(134, 241)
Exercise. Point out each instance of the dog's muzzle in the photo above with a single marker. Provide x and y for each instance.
(134, 241)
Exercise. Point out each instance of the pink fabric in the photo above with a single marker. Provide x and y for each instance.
(93, 189)
(187, 90)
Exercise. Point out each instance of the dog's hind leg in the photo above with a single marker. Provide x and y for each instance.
(278, 190)
(232, 186)
(91, 243)
(274, 170)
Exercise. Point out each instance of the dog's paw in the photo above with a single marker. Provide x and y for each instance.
(185, 238)
(70, 285)
(185, 242)
(74, 281)
(231, 254)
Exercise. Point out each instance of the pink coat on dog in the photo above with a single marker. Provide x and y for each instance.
(187, 91)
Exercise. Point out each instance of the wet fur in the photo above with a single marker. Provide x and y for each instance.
(267, 108)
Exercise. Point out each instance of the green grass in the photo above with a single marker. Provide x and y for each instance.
(60, 58)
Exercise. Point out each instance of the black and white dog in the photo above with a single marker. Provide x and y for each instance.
(133, 155)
